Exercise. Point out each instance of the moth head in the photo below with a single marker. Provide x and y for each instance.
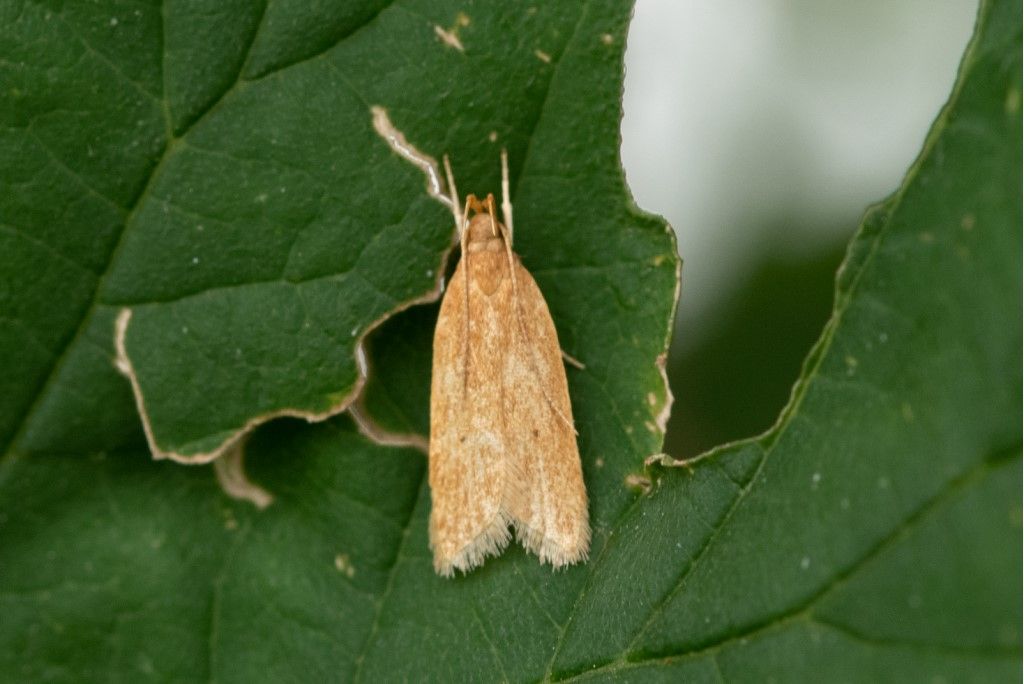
(484, 231)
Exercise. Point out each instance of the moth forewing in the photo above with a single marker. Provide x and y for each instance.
(502, 444)
(550, 512)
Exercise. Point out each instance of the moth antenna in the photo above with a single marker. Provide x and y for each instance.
(506, 201)
(454, 195)
(522, 327)
(491, 211)
(464, 219)
(464, 265)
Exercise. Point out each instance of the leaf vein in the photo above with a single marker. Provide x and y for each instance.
(898, 533)
(389, 587)
(489, 640)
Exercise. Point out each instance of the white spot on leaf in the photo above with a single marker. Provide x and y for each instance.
(343, 564)
(449, 38)
(1012, 104)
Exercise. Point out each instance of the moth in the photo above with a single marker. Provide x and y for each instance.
(503, 450)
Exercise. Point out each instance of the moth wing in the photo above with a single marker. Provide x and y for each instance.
(545, 494)
(467, 466)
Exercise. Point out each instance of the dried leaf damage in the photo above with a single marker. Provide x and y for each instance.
(123, 363)
(230, 472)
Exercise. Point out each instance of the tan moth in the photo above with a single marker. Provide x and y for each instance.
(503, 448)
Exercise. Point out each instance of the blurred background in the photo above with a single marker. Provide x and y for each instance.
(762, 131)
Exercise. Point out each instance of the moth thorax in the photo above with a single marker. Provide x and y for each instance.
(484, 234)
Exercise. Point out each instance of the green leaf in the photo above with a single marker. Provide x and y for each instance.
(872, 534)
